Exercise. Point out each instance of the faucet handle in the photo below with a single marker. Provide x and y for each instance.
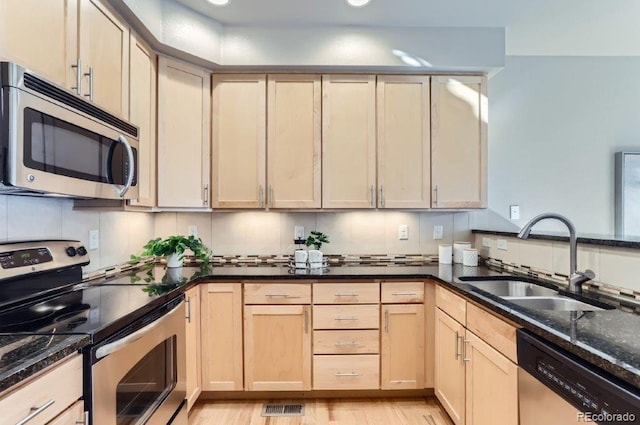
(588, 273)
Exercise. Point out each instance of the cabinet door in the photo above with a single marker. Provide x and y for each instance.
(222, 337)
(104, 51)
(402, 347)
(277, 342)
(193, 342)
(238, 158)
(293, 141)
(41, 36)
(491, 385)
(142, 112)
(449, 367)
(348, 141)
(403, 142)
(459, 142)
(184, 104)
(74, 415)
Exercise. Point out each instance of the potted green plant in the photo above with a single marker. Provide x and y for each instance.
(173, 248)
(316, 239)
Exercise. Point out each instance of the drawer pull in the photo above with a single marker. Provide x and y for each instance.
(347, 344)
(349, 318)
(399, 294)
(339, 374)
(346, 295)
(35, 411)
(277, 295)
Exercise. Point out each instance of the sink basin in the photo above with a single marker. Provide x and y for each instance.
(556, 303)
(512, 288)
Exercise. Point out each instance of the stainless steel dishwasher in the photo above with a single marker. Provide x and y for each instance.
(556, 387)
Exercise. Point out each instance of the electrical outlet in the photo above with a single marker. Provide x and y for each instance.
(192, 230)
(403, 232)
(94, 239)
(514, 212)
(438, 232)
(486, 242)
(298, 232)
(501, 244)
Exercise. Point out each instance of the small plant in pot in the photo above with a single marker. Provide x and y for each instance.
(173, 249)
(316, 239)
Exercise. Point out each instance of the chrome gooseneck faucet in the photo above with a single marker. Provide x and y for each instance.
(576, 278)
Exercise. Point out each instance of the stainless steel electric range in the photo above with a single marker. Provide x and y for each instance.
(134, 366)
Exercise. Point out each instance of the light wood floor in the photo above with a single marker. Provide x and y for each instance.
(423, 411)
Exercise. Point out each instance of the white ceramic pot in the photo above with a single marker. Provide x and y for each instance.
(315, 259)
(174, 260)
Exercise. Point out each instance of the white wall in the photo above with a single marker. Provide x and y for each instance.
(555, 123)
(121, 233)
(366, 232)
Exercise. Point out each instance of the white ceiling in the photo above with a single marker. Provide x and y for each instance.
(562, 27)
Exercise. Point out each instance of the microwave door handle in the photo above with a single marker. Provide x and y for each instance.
(114, 346)
(121, 190)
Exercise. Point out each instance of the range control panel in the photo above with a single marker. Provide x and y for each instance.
(27, 257)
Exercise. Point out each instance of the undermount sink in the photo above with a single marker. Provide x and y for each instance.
(525, 293)
(556, 303)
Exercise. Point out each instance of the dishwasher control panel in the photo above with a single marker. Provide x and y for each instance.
(583, 385)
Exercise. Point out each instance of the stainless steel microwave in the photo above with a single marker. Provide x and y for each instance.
(55, 142)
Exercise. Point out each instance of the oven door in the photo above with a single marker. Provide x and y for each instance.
(55, 149)
(139, 378)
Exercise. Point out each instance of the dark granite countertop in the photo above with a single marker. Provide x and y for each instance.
(22, 356)
(607, 339)
(584, 238)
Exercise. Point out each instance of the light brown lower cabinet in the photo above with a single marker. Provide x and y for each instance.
(476, 384)
(193, 341)
(74, 415)
(277, 347)
(221, 336)
(402, 347)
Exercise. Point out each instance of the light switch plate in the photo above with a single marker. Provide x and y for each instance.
(501, 244)
(486, 242)
(403, 232)
(438, 231)
(192, 230)
(94, 239)
(514, 212)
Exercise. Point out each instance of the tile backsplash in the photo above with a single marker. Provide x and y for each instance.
(121, 233)
(613, 266)
(350, 232)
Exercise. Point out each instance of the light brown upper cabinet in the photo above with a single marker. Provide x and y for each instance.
(403, 141)
(239, 142)
(293, 141)
(266, 143)
(459, 141)
(41, 36)
(82, 45)
(142, 112)
(184, 113)
(349, 141)
(103, 45)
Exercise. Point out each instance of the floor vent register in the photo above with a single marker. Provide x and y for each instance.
(283, 409)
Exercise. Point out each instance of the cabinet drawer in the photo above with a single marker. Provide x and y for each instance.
(360, 372)
(277, 293)
(346, 342)
(402, 292)
(496, 332)
(58, 388)
(346, 316)
(346, 293)
(73, 415)
(451, 304)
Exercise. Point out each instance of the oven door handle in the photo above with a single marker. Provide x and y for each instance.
(121, 190)
(114, 346)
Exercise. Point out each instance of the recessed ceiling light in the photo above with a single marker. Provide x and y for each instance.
(219, 2)
(357, 3)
